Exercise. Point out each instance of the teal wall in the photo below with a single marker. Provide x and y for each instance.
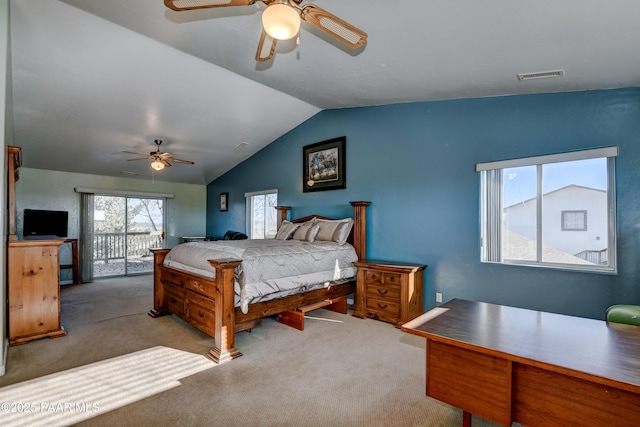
(416, 164)
(53, 190)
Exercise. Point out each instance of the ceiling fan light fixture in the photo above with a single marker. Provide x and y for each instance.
(157, 165)
(280, 21)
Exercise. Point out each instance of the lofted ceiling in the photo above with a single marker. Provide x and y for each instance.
(94, 78)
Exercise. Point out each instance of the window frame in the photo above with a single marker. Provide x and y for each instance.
(584, 220)
(492, 208)
(249, 209)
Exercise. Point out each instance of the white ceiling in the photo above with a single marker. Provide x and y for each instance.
(92, 78)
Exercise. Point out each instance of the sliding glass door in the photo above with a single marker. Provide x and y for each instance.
(124, 228)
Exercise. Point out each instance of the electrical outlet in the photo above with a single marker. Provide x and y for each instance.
(438, 297)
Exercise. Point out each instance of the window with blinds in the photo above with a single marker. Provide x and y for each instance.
(534, 210)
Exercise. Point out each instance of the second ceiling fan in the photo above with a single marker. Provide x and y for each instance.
(160, 159)
(281, 21)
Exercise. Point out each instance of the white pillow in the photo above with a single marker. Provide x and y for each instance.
(286, 230)
(307, 231)
(334, 230)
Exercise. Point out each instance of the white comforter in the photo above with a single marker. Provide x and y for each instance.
(270, 268)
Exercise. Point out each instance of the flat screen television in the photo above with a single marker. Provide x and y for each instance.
(42, 223)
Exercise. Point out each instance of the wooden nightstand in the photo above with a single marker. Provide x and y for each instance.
(389, 291)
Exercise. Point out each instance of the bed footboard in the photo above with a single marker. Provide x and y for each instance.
(224, 348)
(204, 303)
(158, 290)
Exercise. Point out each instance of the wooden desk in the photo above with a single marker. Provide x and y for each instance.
(508, 364)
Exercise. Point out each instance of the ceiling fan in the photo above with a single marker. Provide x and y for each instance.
(160, 159)
(281, 21)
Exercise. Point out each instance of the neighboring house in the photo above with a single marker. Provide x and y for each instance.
(574, 219)
(518, 247)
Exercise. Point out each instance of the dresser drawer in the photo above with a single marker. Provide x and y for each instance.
(389, 279)
(201, 317)
(174, 302)
(170, 278)
(205, 288)
(386, 310)
(201, 300)
(386, 293)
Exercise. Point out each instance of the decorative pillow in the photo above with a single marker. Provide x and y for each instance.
(334, 230)
(307, 231)
(286, 230)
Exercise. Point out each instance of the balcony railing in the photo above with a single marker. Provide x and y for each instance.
(600, 257)
(111, 246)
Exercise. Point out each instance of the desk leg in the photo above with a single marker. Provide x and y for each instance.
(466, 419)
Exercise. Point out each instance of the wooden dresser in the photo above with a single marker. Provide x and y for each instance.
(33, 273)
(34, 290)
(389, 291)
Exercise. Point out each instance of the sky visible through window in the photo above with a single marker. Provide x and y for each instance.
(520, 182)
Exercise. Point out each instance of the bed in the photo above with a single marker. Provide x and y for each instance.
(207, 295)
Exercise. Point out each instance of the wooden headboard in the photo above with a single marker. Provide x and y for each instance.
(358, 235)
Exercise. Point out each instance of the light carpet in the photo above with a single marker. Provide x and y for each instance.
(342, 372)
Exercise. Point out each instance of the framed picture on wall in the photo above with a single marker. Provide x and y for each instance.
(324, 165)
(224, 202)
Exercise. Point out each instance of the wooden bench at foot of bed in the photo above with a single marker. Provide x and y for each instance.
(208, 304)
(295, 318)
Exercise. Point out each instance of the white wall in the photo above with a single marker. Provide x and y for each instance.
(571, 198)
(594, 237)
(54, 190)
(6, 133)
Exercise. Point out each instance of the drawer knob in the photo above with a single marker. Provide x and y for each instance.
(382, 306)
(201, 314)
(173, 300)
(382, 291)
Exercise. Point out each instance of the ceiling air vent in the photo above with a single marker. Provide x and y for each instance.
(541, 75)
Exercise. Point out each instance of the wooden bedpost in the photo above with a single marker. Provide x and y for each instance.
(360, 228)
(225, 314)
(283, 211)
(158, 290)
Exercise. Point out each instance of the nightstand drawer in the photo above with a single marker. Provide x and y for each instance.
(389, 279)
(376, 291)
(388, 311)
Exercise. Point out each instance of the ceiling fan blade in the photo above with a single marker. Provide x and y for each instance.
(266, 47)
(164, 162)
(334, 26)
(172, 159)
(181, 5)
(141, 158)
(133, 152)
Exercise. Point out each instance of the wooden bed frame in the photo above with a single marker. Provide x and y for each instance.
(208, 304)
